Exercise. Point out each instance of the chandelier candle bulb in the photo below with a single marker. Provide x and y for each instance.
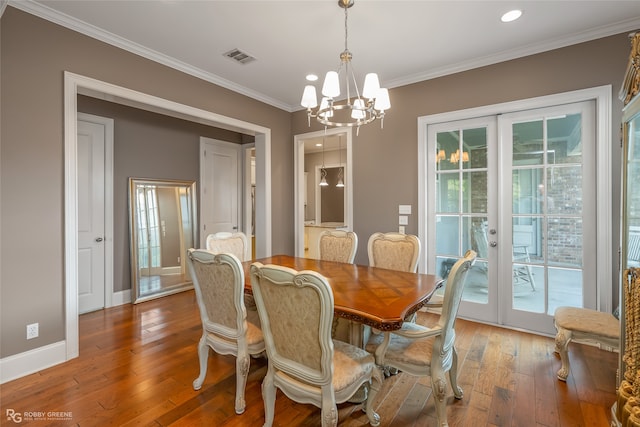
(371, 86)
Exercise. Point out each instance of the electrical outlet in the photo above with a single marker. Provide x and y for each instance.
(32, 331)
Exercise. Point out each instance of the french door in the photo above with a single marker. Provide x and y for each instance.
(519, 189)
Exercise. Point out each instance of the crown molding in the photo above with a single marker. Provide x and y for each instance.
(66, 21)
(527, 50)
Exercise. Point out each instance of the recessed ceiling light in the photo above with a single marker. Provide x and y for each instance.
(318, 144)
(512, 15)
(312, 77)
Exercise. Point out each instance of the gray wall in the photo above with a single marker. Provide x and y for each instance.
(34, 54)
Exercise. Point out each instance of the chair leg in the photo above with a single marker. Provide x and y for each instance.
(203, 356)
(242, 371)
(329, 410)
(439, 386)
(376, 384)
(269, 398)
(453, 376)
(563, 337)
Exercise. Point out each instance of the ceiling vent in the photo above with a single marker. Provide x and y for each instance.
(239, 56)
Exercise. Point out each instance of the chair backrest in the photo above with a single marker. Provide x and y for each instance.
(394, 251)
(296, 313)
(234, 243)
(337, 245)
(219, 283)
(451, 301)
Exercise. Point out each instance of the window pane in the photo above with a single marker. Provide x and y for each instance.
(474, 148)
(528, 240)
(564, 242)
(447, 235)
(448, 192)
(564, 140)
(528, 143)
(527, 187)
(474, 197)
(564, 186)
(565, 288)
(446, 144)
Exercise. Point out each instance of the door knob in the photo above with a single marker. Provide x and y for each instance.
(493, 244)
(99, 239)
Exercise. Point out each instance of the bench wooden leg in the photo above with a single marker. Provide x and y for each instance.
(563, 337)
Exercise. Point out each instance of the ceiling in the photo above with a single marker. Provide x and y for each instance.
(403, 41)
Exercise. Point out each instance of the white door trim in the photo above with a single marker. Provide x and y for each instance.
(108, 201)
(602, 96)
(75, 84)
(299, 186)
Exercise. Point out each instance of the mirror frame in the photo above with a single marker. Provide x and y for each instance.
(190, 187)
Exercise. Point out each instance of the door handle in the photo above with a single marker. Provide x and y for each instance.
(235, 227)
(99, 239)
(493, 244)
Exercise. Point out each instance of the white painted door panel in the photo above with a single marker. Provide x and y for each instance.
(220, 179)
(91, 218)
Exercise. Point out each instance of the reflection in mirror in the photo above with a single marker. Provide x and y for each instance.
(331, 206)
(162, 226)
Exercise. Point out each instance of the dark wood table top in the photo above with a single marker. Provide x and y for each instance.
(373, 296)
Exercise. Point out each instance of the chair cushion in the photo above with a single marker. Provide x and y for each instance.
(254, 333)
(587, 321)
(349, 364)
(404, 350)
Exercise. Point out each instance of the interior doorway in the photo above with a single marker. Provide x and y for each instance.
(333, 149)
(74, 85)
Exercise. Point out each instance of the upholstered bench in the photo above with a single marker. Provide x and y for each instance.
(583, 325)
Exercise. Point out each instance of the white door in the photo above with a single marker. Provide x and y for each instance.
(520, 190)
(91, 216)
(548, 168)
(219, 187)
(464, 205)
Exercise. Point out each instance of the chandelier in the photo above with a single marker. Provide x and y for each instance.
(358, 108)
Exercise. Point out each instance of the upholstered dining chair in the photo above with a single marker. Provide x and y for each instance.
(227, 327)
(233, 243)
(421, 351)
(394, 251)
(296, 311)
(338, 245)
(225, 242)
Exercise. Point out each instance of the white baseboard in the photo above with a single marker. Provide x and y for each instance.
(20, 365)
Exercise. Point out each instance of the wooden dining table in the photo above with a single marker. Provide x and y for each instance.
(372, 296)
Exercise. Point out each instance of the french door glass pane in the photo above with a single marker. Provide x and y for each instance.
(547, 189)
(462, 205)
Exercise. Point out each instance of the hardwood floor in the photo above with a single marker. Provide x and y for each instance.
(137, 363)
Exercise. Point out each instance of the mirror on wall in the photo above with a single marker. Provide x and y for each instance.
(162, 226)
